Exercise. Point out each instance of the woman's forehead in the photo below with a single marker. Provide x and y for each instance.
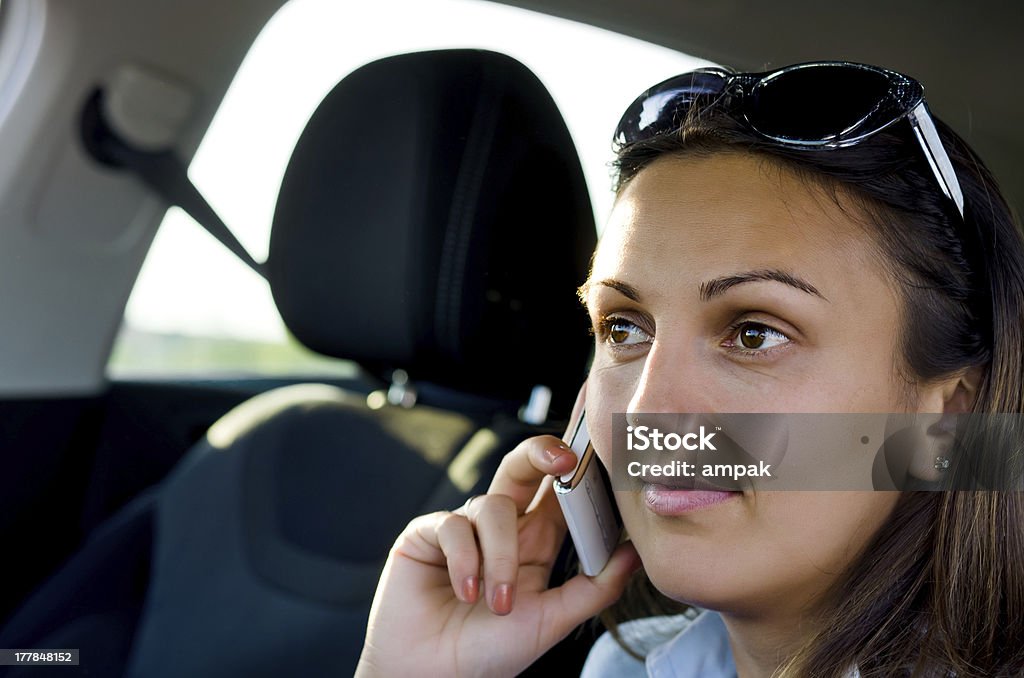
(712, 215)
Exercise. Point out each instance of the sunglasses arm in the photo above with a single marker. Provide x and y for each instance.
(942, 167)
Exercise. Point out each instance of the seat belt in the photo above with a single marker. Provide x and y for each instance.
(162, 171)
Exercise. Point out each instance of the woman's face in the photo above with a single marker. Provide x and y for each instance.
(727, 284)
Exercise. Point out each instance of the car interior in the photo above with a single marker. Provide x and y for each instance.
(430, 230)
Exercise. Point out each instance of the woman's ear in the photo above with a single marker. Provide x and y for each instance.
(951, 397)
(933, 437)
(959, 398)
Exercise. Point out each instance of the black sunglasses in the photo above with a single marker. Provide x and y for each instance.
(813, 106)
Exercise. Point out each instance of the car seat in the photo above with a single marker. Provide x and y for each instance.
(432, 225)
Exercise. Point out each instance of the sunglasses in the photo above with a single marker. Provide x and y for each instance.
(813, 106)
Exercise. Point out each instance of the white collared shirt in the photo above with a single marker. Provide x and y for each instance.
(700, 650)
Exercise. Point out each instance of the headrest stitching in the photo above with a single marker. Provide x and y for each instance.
(465, 200)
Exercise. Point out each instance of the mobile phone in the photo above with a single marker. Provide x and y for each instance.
(586, 500)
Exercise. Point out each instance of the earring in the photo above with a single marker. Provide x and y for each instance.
(941, 463)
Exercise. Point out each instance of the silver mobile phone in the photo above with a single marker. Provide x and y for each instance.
(586, 500)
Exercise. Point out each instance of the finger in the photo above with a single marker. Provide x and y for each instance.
(521, 471)
(583, 597)
(418, 541)
(496, 520)
(457, 541)
(544, 500)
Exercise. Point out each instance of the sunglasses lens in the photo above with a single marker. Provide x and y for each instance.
(664, 107)
(821, 103)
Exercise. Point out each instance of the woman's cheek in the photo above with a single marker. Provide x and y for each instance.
(609, 391)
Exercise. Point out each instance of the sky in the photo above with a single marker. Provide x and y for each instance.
(190, 284)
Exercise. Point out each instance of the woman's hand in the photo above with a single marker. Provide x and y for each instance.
(464, 593)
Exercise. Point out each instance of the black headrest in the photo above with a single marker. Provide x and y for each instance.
(434, 217)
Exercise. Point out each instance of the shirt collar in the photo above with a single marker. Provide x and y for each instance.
(701, 650)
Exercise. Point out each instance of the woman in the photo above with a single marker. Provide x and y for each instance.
(799, 241)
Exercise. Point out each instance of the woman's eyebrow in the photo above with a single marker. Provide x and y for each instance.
(713, 288)
(625, 289)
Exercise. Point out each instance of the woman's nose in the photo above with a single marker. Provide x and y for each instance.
(675, 378)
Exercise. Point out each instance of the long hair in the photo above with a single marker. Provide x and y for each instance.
(939, 590)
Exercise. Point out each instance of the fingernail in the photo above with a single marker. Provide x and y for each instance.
(502, 602)
(469, 589)
(552, 455)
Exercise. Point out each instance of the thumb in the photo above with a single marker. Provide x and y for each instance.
(583, 597)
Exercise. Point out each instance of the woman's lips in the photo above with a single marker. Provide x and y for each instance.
(668, 501)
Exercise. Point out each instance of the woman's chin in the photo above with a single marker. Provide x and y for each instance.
(686, 575)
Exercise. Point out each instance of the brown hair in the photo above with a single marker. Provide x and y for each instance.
(939, 590)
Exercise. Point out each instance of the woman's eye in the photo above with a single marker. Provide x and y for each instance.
(621, 332)
(757, 337)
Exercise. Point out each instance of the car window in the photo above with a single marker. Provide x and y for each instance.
(195, 309)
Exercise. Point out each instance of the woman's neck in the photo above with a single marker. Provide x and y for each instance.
(760, 645)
